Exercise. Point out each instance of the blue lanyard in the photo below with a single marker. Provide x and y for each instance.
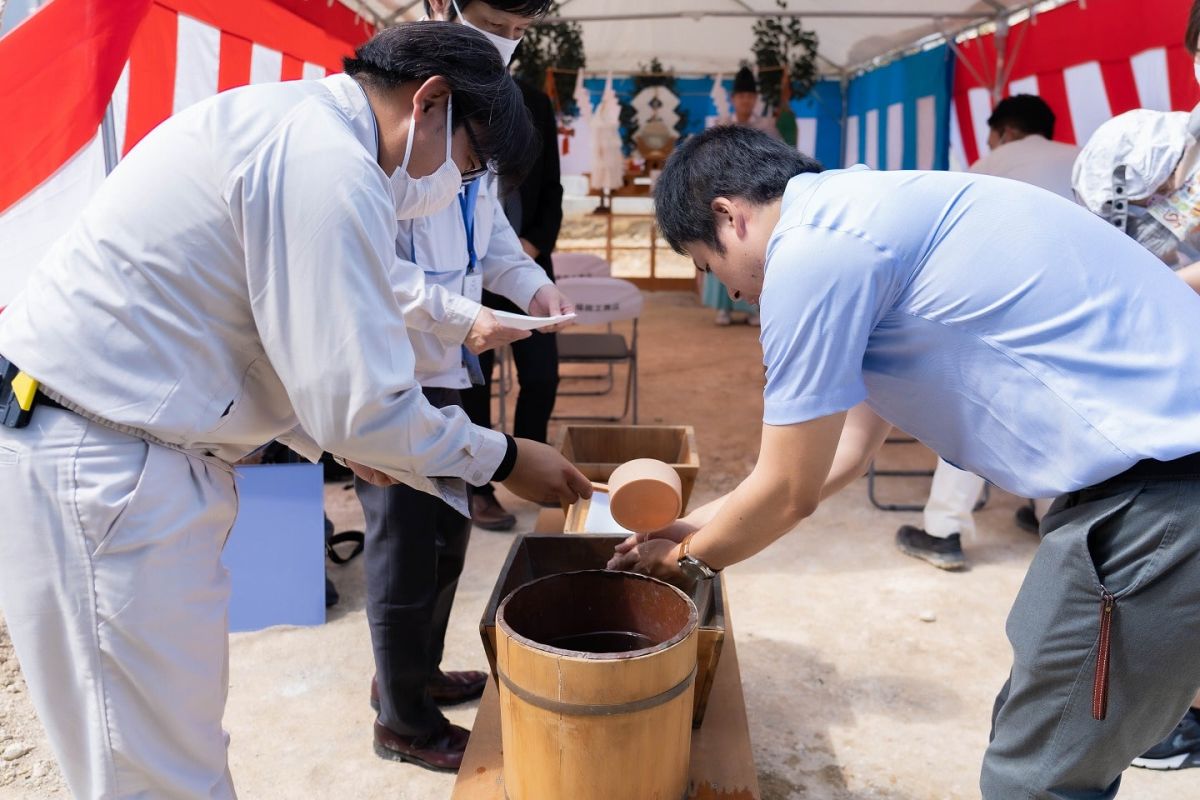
(466, 201)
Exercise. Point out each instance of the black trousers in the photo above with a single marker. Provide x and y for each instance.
(415, 548)
(536, 359)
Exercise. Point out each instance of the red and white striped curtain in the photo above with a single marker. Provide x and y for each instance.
(151, 58)
(1090, 61)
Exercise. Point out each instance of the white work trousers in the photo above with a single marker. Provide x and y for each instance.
(951, 504)
(952, 498)
(116, 600)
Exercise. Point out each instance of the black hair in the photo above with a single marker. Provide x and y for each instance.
(744, 81)
(485, 96)
(522, 8)
(1193, 28)
(1027, 113)
(726, 161)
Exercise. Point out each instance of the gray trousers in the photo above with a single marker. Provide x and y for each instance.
(1138, 541)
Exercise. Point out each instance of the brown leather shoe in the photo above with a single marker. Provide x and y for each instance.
(487, 513)
(441, 751)
(446, 688)
(452, 688)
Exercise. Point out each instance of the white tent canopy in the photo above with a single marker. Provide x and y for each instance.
(710, 36)
(714, 35)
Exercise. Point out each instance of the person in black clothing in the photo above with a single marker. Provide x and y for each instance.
(535, 212)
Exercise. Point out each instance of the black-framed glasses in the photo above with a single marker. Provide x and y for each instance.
(472, 175)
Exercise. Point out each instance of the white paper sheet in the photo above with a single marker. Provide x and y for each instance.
(527, 323)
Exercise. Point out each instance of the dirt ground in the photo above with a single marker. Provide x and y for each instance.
(850, 694)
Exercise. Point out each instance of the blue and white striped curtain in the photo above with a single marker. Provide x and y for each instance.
(898, 115)
(819, 123)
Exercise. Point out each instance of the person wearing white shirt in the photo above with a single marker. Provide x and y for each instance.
(1022, 147)
(1018, 336)
(229, 284)
(416, 544)
(1021, 130)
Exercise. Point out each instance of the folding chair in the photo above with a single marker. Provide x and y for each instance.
(585, 265)
(873, 474)
(580, 265)
(502, 384)
(566, 265)
(602, 301)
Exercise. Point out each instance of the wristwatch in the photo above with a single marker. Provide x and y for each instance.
(692, 567)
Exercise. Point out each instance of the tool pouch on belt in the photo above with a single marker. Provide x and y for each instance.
(18, 395)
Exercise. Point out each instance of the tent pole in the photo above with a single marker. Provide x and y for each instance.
(108, 137)
(962, 58)
(1002, 69)
(1015, 52)
(845, 117)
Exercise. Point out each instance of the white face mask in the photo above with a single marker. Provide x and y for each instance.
(506, 47)
(422, 197)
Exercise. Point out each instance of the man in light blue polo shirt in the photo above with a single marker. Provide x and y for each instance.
(1022, 339)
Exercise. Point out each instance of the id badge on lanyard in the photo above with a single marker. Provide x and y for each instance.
(473, 286)
(473, 281)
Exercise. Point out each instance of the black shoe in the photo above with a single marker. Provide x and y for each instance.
(1026, 519)
(1181, 748)
(331, 593)
(944, 553)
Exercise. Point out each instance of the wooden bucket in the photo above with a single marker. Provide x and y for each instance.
(587, 725)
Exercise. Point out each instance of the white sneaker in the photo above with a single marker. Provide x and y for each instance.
(723, 318)
(752, 319)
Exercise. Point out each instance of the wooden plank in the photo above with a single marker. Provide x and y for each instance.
(722, 758)
(575, 520)
(481, 776)
(722, 764)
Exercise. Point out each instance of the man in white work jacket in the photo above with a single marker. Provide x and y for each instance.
(229, 284)
(415, 543)
(1022, 339)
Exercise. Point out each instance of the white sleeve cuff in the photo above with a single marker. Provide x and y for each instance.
(459, 317)
(524, 294)
(488, 449)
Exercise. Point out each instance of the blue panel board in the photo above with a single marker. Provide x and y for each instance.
(276, 552)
